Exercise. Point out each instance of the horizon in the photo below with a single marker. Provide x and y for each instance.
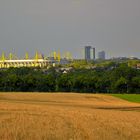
(6, 55)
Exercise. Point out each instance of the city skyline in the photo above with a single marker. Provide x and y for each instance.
(50, 25)
(94, 54)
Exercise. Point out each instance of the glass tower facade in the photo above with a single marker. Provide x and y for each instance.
(89, 53)
(101, 55)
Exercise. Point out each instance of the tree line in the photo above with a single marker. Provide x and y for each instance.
(122, 79)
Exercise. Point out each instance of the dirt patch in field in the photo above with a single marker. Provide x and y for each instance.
(37, 116)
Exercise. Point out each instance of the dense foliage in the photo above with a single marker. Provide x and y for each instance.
(122, 79)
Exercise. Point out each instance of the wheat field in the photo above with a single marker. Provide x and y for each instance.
(71, 116)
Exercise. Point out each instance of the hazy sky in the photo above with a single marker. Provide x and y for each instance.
(69, 25)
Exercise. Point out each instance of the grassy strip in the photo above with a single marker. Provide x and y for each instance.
(129, 97)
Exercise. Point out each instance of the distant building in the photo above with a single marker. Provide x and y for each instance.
(89, 53)
(101, 55)
(93, 53)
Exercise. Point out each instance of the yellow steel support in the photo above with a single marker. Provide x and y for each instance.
(59, 56)
(36, 56)
(54, 55)
(3, 57)
(26, 56)
(10, 56)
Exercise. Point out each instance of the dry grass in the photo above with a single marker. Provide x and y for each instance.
(67, 117)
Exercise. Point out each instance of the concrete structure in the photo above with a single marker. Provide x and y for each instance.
(89, 53)
(101, 55)
(37, 61)
(93, 53)
(26, 63)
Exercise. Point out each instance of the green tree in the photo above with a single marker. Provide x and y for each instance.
(121, 85)
(135, 86)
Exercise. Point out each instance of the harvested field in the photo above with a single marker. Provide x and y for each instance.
(38, 116)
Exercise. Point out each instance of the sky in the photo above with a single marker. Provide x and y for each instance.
(69, 25)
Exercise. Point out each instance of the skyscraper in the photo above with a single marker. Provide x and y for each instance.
(101, 55)
(93, 53)
(89, 53)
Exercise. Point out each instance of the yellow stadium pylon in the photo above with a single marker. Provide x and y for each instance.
(36, 56)
(10, 56)
(54, 55)
(59, 56)
(3, 57)
(26, 56)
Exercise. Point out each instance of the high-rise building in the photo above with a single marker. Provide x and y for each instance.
(89, 53)
(101, 55)
(93, 53)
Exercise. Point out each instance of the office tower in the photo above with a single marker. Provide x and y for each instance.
(87, 52)
(101, 55)
(93, 53)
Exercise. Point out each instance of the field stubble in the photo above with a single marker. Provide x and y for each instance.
(72, 116)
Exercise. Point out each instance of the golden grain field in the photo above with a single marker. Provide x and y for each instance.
(57, 116)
